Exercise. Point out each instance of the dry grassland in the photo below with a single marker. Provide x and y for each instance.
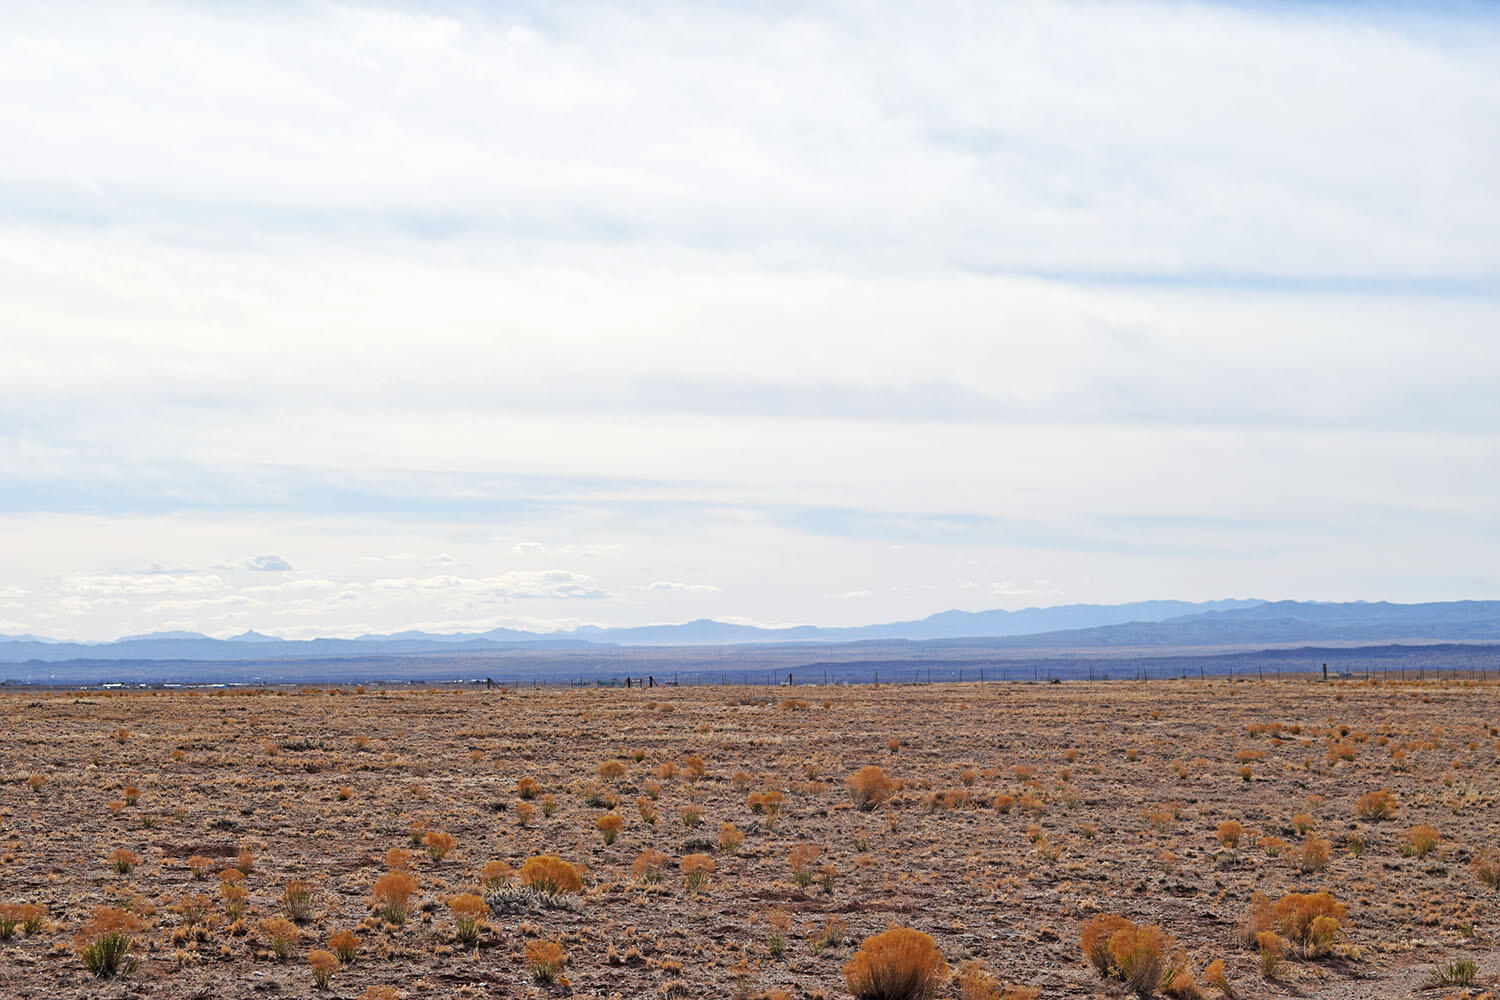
(1078, 840)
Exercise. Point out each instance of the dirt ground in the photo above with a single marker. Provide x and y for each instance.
(1119, 790)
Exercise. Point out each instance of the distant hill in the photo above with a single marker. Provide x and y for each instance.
(1145, 624)
(1283, 622)
(945, 624)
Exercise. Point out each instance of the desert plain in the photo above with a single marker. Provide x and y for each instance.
(256, 825)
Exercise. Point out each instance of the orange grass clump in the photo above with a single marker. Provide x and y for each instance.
(1487, 868)
(468, 911)
(1315, 853)
(1094, 940)
(298, 899)
(392, 894)
(1421, 841)
(551, 875)
(1309, 920)
(647, 865)
(105, 941)
(869, 787)
(1137, 954)
(545, 959)
(1140, 956)
(438, 844)
(696, 868)
(898, 964)
(1375, 805)
(281, 935)
(494, 874)
(344, 944)
(323, 965)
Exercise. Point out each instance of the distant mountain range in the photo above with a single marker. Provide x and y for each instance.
(1144, 624)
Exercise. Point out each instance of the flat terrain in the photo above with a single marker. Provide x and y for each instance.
(1119, 790)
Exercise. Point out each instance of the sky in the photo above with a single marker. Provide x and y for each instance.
(336, 318)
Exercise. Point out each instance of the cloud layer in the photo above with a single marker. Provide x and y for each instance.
(357, 316)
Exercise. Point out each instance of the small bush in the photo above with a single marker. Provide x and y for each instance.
(898, 964)
(1215, 976)
(545, 960)
(468, 912)
(1229, 833)
(33, 915)
(1311, 920)
(438, 844)
(298, 899)
(1179, 981)
(124, 860)
(194, 908)
(104, 943)
(1314, 854)
(695, 869)
(1459, 972)
(392, 894)
(551, 875)
(494, 874)
(976, 982)
(801, 861)
(1420, 841)
(1375, 805)
(281, 936)
(610, 825)
(730, 838)
(648, 865)
(1140, 956)
(323, 965)
(1272, 951)
(233, 895)
(869, 787)
(345, 945)
(1486, 868)
(1094, 940)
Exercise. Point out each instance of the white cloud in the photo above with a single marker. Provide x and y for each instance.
(1037, 588)
(560, 584)
(268, 563)
(1160, 299)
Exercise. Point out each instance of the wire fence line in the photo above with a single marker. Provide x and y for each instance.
(830, 673)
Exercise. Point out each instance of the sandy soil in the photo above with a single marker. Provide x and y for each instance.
(1132, 781)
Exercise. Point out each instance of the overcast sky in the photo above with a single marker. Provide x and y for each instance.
(326, 318)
